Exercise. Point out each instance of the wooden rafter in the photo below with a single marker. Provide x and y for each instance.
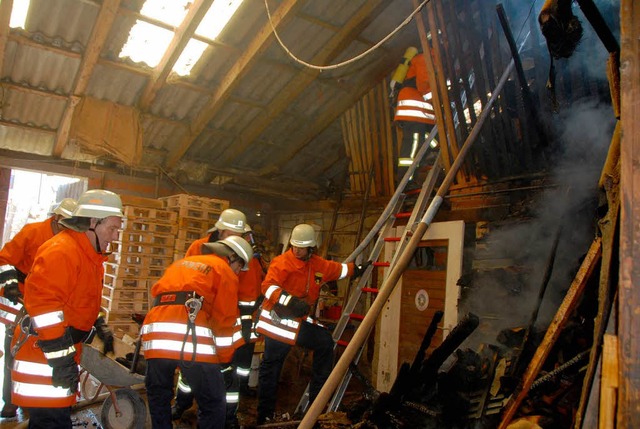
(231, 79)
(181, 37)
(101, 29)
(292, 90)
(6, 6)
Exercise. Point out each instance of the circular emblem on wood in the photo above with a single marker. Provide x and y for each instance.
(422, 300)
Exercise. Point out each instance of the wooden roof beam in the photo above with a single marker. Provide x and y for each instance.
(101, 29)
(263, 38)
(181, 37)
(297, 85)
(6, 6)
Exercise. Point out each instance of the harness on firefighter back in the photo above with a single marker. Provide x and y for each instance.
(192, 303)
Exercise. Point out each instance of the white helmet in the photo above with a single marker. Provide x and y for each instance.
(99, 204)
(231, 219)
(303, 235)
(64, 208)
(95, 203)
(229, 245)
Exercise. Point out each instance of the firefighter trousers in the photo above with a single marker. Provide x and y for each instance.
(49, 418)
(314, 337)
(207, 385)
(8, 364)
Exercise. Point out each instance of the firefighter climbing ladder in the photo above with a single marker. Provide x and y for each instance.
(382, 228)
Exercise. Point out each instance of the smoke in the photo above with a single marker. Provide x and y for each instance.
(507, 297)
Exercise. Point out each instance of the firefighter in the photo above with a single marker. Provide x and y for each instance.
(249, 300)
(62, 297)
(414, 109)
(290, 288)
(231, 222)
(194, 325)
(16, 258)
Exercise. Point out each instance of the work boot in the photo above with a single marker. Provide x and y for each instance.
(232, 423)
(176, 412)
(8, 411)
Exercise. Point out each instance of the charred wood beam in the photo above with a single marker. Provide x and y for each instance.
(601, 28)
(524, 86)
(461, 332)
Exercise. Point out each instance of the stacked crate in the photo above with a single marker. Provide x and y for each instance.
(143, 251)
(195, 216)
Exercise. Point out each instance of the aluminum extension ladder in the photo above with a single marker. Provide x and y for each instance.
(382, 229)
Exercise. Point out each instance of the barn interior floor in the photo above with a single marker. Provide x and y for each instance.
(296, 374)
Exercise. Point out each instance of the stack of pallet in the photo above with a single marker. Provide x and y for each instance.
(195, 216)
(143, 251)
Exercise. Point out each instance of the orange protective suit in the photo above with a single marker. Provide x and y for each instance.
(217, 325)
(298, 278)
(20, 253)
(414, 99)
(63, 290)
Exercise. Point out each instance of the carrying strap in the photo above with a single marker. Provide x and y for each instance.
(173, 298)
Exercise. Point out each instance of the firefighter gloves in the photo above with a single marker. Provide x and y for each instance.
(105, 334)
(9, 283)
(60, 353)
(298, 307)
(358, 270)
(247, 327)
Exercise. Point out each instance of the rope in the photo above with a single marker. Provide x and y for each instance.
(354, 59)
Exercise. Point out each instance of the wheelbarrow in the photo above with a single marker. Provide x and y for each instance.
(124, 408)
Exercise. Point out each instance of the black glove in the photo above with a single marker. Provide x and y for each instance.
(298, 307)
(228, 374)
(105, 334)
(65, 368)
(358, 270)
(247, 327)
(9, 283)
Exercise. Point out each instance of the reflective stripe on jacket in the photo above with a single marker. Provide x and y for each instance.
(217, 324)
(414, 99)
(64, 289)
(20, 253)
(299, 278)
(249, 290)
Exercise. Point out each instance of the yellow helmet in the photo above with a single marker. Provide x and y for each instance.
(303, 235)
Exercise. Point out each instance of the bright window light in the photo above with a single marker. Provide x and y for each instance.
(189, 57)
(147, 43)
(170, 12)
(19, 13)
(217, 18)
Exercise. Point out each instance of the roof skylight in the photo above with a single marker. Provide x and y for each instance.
(19, 13)
(148, 42)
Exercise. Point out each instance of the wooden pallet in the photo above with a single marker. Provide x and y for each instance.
(142, 260)
(135, 272)
(135, 249)
(132, 306)
(145, 238)
(141, 225)
(121, 282)
(194, 202)
(150, 215)
(125, 294)
(195, 224)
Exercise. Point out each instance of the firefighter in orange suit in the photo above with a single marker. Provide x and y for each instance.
(231, 222)
(194, 325)
(414, 109)
(16, 258)
(291, 286)
(249, 299)
(62, 297)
